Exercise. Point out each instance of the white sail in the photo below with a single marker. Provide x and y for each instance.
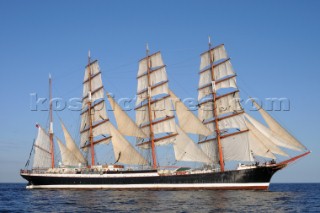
(228, 103)
(97, 118)
(205, 111)
(210, 148)
(223, 70)
(227, 83)
(162, 88)
(258, 148)
(221, 73)
(216, 53)
(156, 83)
(205, 92)
(67, 157)
(279, 130)
(96, 91)
(123, 150)
(99, 112)
(233, 122)
(186, 150)
(160, 127)
(205, 78)
(71, 145)
(257, 135)
(270, 134)
(159, 114)
(42, 154)
(187, 120)
(236, 148)
(98, 129)
(155, 60)
(126, 125)
(156, 76)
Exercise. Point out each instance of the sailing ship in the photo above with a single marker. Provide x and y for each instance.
(223, 132)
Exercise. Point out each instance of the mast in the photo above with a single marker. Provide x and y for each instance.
(51, 123)
(154, 158)
(221, 161)
(89, 112)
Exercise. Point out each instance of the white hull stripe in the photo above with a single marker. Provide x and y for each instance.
(151, 186)
(153, 174)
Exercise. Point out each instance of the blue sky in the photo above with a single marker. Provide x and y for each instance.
(274, 46)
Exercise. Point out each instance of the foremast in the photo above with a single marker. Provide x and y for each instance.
(238, 136)
(153, 150)
(221, 111)
(214, 94)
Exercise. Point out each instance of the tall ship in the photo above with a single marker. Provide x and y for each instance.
(222, 147)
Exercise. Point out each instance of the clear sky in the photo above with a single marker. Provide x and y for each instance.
(274, 46)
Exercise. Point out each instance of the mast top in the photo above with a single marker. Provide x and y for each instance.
(147, 49)
(209, 41)
(49, 75)
(89, 54)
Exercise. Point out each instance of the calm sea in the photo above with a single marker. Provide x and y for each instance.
(280, 198)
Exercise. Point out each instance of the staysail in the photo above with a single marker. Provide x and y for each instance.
(279, 130)
(72, 147)
(125, 124)
(67, 157)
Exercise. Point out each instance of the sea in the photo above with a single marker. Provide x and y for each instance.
(279, 198)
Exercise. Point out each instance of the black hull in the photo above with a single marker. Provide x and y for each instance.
(255, 178)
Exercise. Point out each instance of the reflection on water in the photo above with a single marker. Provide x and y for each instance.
(280, 198)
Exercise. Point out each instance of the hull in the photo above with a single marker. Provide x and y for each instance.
(253, 179)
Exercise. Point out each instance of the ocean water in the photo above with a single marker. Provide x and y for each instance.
(279, 198)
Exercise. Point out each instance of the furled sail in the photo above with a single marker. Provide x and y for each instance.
(72, 147)
(125, 124)
(93, 115)
(187, 120)
(186, 150)
(153, 101)
(42, 155)
(123, 150)
(278, 129)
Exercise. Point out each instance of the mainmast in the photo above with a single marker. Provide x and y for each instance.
(153, 151)
(221, 161)
(94, 127)
(89, 110)
(51, 123)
